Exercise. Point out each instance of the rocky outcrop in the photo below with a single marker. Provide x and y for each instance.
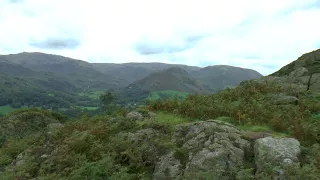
(304, 71)
(212, 146)
(281, 99)
(217, 150)
(135, 116)
(275, 152)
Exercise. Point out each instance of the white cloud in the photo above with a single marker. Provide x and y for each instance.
(263, 35)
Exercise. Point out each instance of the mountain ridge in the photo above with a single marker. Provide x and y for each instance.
(58, 77)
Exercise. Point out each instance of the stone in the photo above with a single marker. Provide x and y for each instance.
(281, 99)
(168, 167)
(135, 116)
(275, 151)
(211, 148)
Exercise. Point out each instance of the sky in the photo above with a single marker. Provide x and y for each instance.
(256, 34)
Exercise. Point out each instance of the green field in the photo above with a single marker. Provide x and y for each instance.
(4, 110)
(92, 94)
(167, 94)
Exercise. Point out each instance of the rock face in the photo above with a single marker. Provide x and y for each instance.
(272, 151)
(212, 147)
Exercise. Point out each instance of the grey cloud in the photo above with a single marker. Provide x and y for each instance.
(15, 1)
(194, 38)
(150, 48)
(56, 43)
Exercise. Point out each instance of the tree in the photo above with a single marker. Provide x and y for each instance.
(107, 101)
(311, 81)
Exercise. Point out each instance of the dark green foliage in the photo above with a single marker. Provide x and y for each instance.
(26, 122)
(107, 102)
(107, 99)
(100, 148)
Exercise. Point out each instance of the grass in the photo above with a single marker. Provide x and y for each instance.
(263, 128)
(170, 94)
(170, 119)
(92, 94)
(167, 119)
(87, 107)
(256, 128)
(4, 110)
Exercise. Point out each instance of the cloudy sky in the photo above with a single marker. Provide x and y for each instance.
(258, 34)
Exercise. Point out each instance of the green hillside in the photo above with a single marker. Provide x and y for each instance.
(170, 79)
(167, 95)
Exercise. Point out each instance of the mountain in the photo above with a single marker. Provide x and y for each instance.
(92, 76)
(43, 80)
(135, 71)
(174, 78)
(60, 81)
(221, 76)
(305, 71)
(79, 73)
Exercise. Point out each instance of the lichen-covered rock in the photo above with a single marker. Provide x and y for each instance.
(299, 72)
(135, 116)
(275, 151)
(212, 147)
(168, 167)
(281, 99)
(142, 134)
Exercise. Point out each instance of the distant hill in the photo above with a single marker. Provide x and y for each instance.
(43, 80)
(174, 78)
(77, 72)
(135, 71)
(219, 77)
(305, 70)
(38, 79)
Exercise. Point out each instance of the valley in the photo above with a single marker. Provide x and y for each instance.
(65, 84)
